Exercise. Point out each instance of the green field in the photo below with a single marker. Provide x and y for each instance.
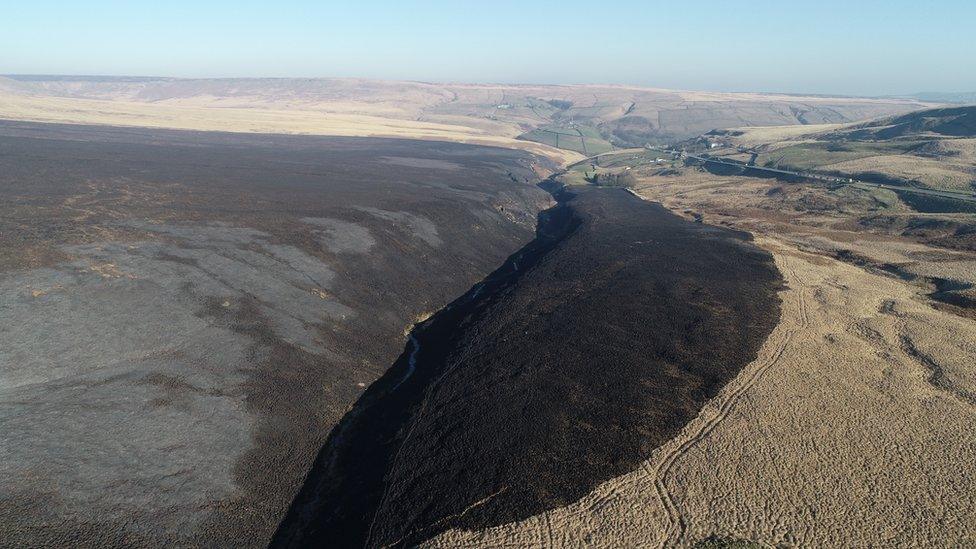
(573, 137)
(612, 168)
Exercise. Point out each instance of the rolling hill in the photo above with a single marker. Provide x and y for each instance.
(930, 148)
(587, 117)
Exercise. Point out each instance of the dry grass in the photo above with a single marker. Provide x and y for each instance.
(753, 136)
(854, 427)
(942, 162)
(835, 436)
(253, 120)
(931, 172)
(959, 150)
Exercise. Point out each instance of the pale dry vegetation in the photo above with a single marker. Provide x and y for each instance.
(930, 172)
(932, 149)
(194, 115)
(854, 427)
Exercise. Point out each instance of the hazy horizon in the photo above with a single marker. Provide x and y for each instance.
(829, 48)
(122, 77)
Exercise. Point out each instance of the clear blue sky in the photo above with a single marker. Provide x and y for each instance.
(825, 46)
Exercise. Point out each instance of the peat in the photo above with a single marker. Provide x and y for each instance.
(564, 368)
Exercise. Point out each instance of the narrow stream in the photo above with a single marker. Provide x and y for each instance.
(411, 360)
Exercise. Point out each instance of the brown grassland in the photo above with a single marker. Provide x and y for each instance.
(854, 427)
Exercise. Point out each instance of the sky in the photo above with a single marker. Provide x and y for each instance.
(851, 47)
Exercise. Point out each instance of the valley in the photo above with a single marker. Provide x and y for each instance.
(542, 390)
(472, 334)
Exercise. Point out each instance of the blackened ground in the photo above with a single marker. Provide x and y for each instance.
(583, 353)
(185, 316)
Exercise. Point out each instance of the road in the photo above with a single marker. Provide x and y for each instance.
(966, 197)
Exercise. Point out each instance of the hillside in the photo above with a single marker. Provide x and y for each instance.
(932, 148)
(947, 122)
(947, 97)
(858, 410)
(187, 315)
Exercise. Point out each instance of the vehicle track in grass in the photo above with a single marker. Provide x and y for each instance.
(676, 526)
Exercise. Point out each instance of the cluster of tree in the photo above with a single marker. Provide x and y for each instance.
(607, 179)
(560, 104)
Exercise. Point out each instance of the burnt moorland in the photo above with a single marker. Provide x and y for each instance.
(566, 367)
(186, 316)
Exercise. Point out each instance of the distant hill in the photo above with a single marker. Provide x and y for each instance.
(83, 78)
(579, 120)
(939, 97)
(947, 122)
(929, 148)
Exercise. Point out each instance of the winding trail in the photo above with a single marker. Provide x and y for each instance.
(719, 409)
(710, 418)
